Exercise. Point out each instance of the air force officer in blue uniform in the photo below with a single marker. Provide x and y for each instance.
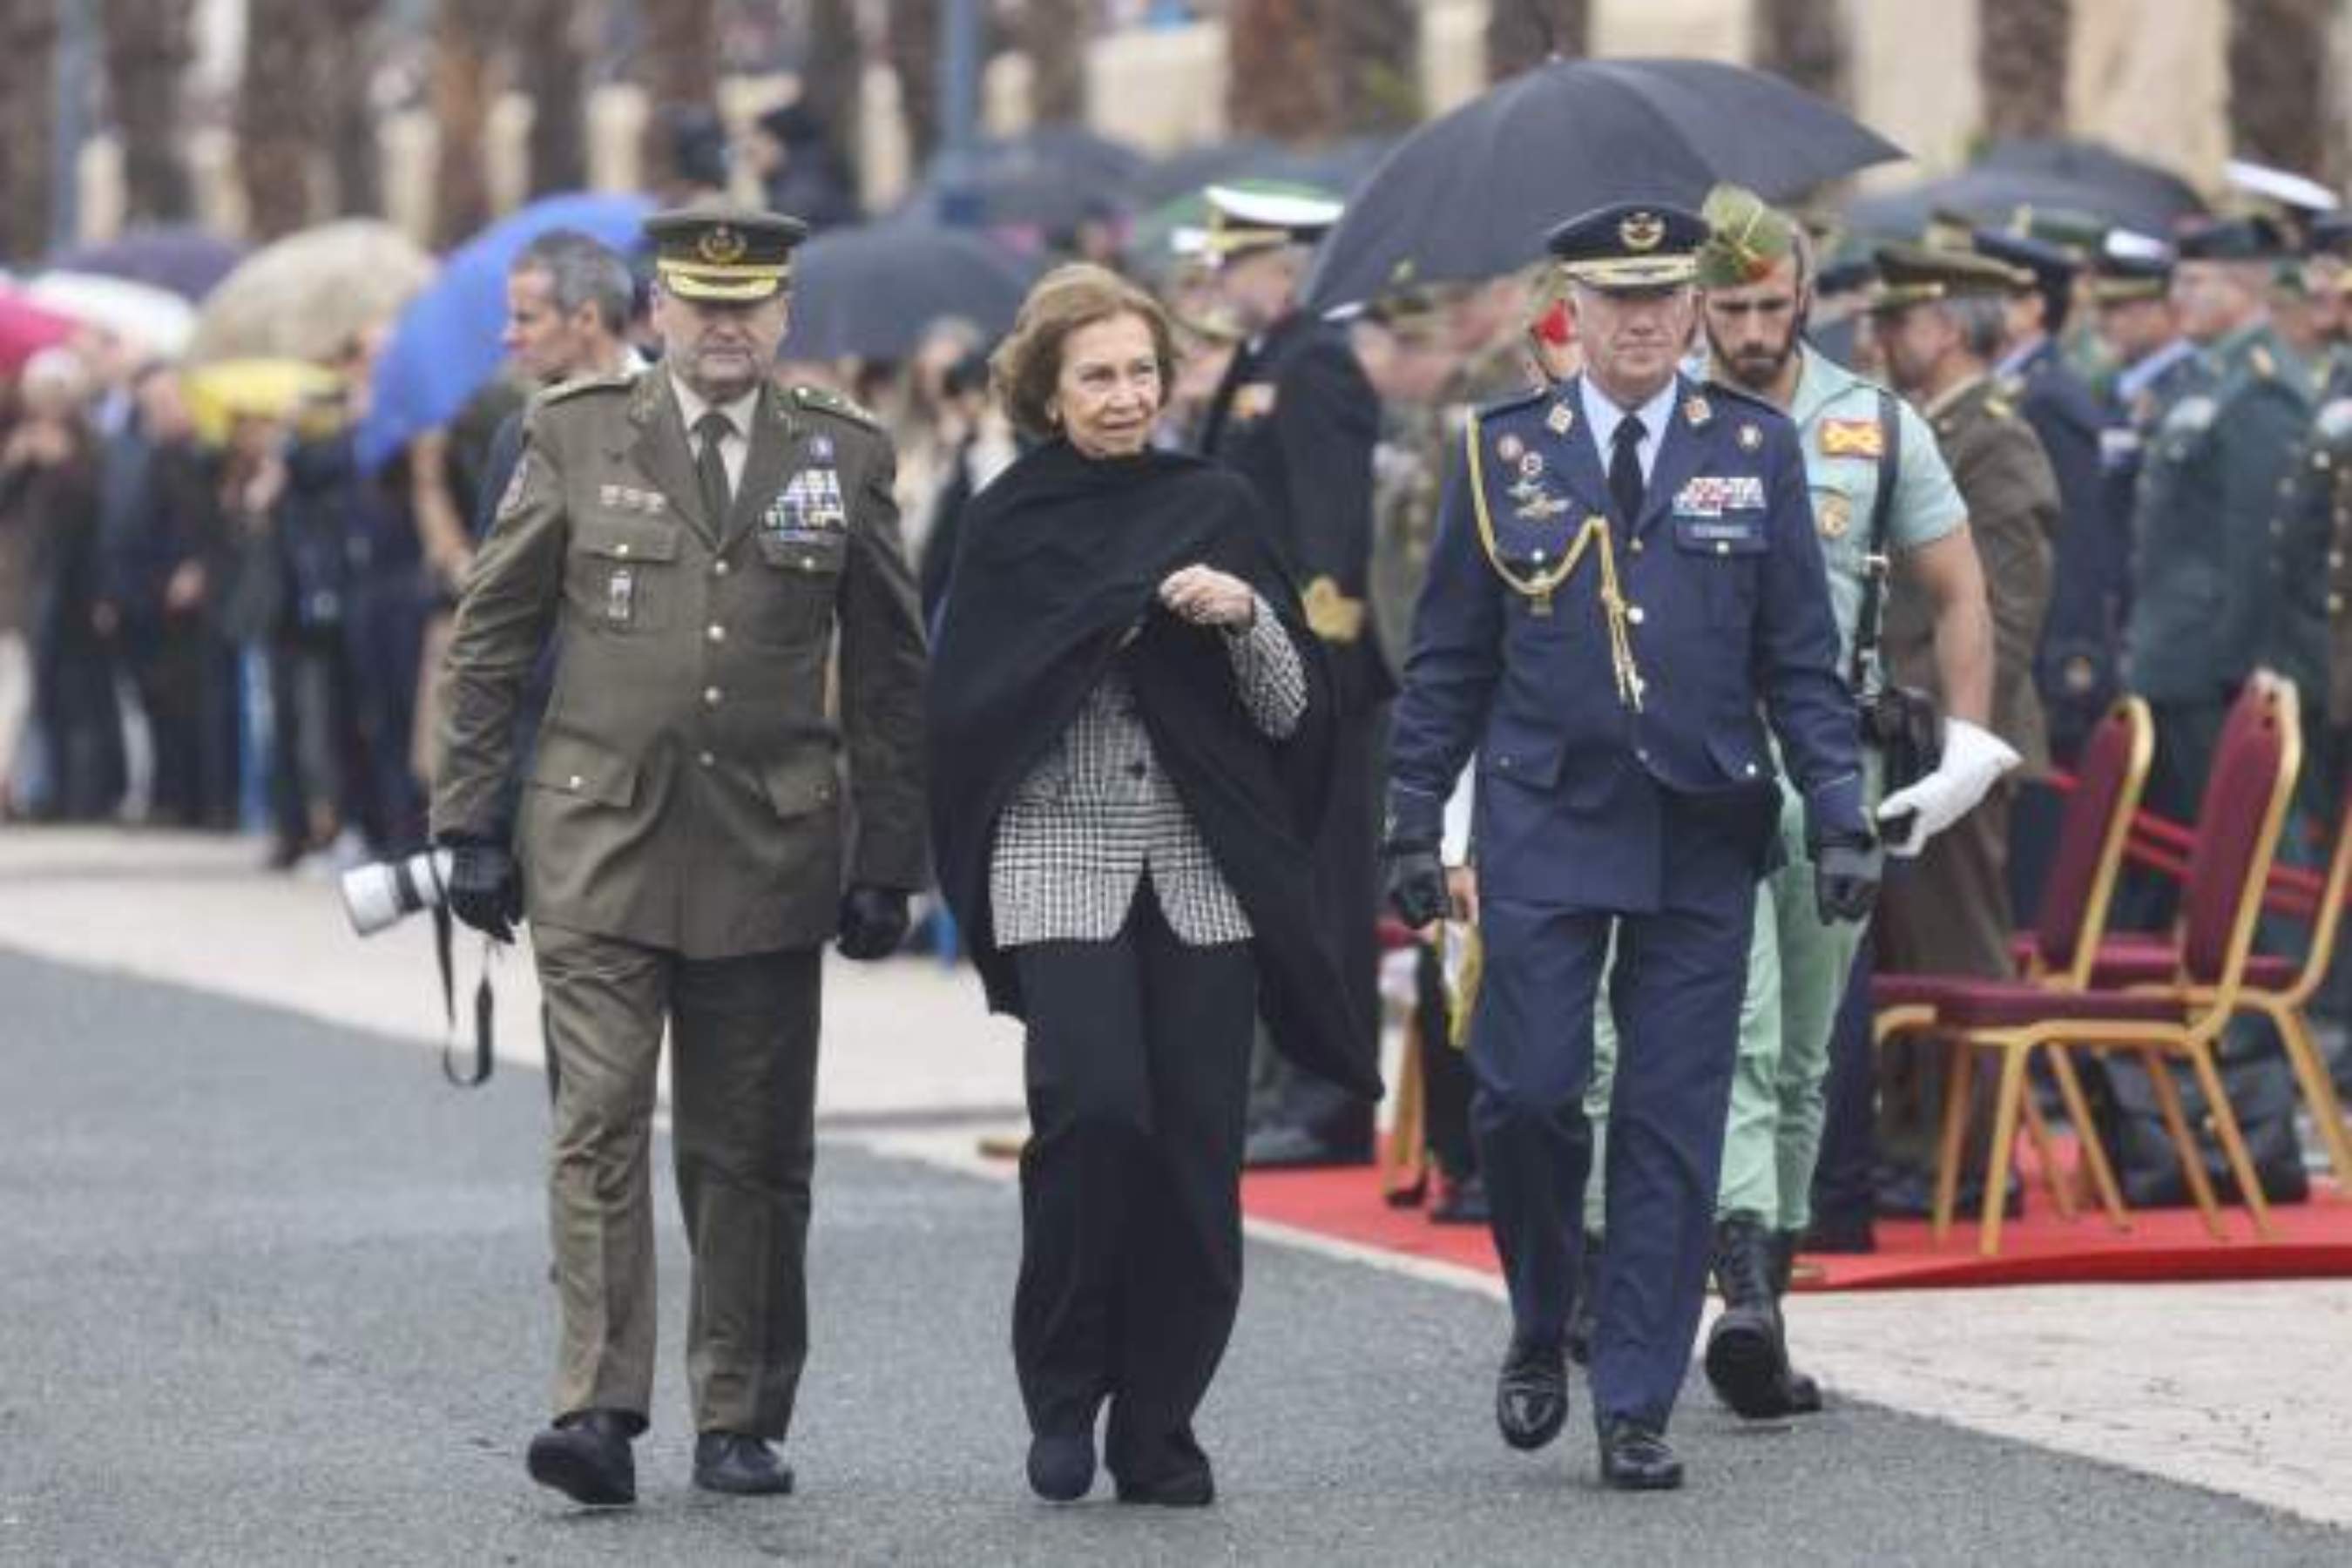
(1626, 588)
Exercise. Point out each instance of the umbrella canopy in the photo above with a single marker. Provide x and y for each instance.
(1048, 178)
(869, 292)
(1339, 165)
(26, 327)
(1991, 196)
(224, 391)
(154, 319)
(184, 259)
(1471, 194)
(446, 342)
(306, 295)
(2144, 185)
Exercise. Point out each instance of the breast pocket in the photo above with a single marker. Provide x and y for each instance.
(800, 578)
(1723, 554)
(622, 574)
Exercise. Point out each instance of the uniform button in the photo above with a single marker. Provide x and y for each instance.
(710, 695)
(621, 549)
(1637, 547)
(2336, 558)
(1642, 752)
(706, 760)
(717, 633)
(1750, 769)
(1633, 614)
(719, 569)
(574, 782)
(1721, 548)
(2334, 604)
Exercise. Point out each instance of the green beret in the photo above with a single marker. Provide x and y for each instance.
(1746, 239)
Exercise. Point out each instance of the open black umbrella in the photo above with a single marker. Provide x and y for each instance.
(1471, 194)
(1340, 166)
(1991, 196)
(1048, 178)
(2147, 187)
(869, 292)
(185, 260)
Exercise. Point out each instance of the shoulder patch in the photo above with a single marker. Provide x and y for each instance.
(823, 400)
(581, 386)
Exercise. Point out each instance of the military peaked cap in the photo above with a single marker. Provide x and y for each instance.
(723, 252)
(1916, 274)
(1629, 246)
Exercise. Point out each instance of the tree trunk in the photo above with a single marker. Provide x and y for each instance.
(355, 160)
(28, 41)
(147, 45)
(913, 47)
(832, 73)
(465, 40)
(2278, 72)
(551, 65)
(680, 71)
(1053, 34)
(1375, 55)
(278, 124)
(1521, 34)
(2022, 49)
(1804, 41)
(1276, 82)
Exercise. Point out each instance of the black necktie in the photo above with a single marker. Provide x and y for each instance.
(1625, 469)
(711, 466)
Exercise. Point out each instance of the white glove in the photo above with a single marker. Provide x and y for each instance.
(1974, 760)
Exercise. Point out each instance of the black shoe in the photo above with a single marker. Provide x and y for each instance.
(1804, 1395)
(585, 1456)
(744, 1465)
(1746, 1361)
(1461, 1201)
(1286, 1146)
(1635, 1457)
(1531, 1394)
(1061, 1469)
(1585, 1315)
(1191, 1488)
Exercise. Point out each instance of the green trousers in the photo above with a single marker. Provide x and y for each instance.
(1797, 970)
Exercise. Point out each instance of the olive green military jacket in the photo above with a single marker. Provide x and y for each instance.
(2209, 484)
(685, 793)
(2011, 495)
(2310, 631)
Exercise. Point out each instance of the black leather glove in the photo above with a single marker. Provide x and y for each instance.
(1845, 878)
(873, 922)
(1416, 884)
(483, 890)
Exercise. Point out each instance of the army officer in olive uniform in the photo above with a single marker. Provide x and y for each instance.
(694, 538)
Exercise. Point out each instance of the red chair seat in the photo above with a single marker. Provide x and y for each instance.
(2150, 961)
(2003, 1004)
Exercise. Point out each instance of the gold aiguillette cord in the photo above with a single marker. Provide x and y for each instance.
(1538, 588)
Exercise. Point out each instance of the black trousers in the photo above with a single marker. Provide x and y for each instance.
(1138, 1072)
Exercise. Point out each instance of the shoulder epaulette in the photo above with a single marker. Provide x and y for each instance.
(1714, 388)
(580, 386)
(1519, 399)
(825, 400)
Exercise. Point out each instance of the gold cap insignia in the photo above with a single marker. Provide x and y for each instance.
(721, 245)
(1642, 231)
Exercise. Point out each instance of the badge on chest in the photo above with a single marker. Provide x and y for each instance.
(1712, 495)
(810, 506)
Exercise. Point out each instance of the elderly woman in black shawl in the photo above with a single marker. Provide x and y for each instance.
(1128, 722)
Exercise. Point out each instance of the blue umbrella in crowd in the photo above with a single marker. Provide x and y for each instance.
(869, 292)
(179, 258)
(1471, 194)
(444, 345)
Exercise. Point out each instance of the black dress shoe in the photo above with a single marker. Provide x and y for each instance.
(1747, 1360)
(1061, 1469)
(1286, 1146)
(1584, 1317)
(1461, 1202)
(1635, 1457)
(585, 1456)
(1803, 1395)
(743, 1466)
(1193, 1487)
(1531, 1394)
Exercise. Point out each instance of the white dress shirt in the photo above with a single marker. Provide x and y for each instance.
(1602, 416)
(735, 446)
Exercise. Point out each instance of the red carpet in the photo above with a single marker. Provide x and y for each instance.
(2314, 1240)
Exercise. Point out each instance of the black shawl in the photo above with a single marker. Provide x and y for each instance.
(1061, 558)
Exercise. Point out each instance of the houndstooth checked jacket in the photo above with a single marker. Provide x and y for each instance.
(1099, 813)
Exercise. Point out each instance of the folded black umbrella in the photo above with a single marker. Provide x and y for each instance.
(1471, 194)
(869, 292)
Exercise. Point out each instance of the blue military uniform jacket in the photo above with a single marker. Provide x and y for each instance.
(1725, 616)
(2081, 637)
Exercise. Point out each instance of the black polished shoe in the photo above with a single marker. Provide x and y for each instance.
(1635, 1457)
(1747, 1363)
(1585, 1315)
(740, 1465)
(1804, 1395)
(585, 1456)
(1286, 1146)
(1191, 1488)
(1531, 1394)
(1461, 1201)
(1061, 1469)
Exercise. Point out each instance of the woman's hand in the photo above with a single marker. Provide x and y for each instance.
(1208, 597)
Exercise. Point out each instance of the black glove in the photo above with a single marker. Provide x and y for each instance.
(1845, 878)
(1416, 884)
(483, 891)
(873, 922)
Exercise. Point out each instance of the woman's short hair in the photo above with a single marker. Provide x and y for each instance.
(1027, 366)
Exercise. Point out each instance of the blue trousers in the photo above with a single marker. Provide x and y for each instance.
(1675, 992)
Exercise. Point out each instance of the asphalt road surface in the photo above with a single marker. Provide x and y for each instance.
(272, 1293)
